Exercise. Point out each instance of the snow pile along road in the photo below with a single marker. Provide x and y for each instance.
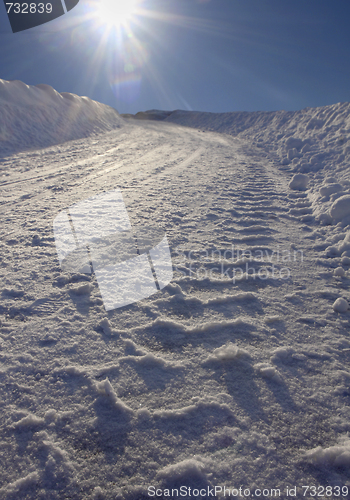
(236, 374)
(313, 141)
(38, 116)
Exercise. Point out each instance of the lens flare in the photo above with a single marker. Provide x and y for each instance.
(126, 68)
(119, 39)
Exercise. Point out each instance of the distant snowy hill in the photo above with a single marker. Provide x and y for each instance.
(271, 126)
(39, 116)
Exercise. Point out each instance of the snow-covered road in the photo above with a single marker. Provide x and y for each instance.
(231, 376)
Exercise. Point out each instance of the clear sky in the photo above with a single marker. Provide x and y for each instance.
(204, 55)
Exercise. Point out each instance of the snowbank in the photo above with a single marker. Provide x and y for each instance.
(313, 141)
(38, 116)
(295, 130)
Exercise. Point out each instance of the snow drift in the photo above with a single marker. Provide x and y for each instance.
(33, 117)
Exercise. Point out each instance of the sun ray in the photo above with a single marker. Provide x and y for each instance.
(115, 13)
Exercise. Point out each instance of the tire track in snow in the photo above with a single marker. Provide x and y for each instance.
(206, 202)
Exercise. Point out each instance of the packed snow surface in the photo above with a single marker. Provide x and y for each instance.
(235, 375)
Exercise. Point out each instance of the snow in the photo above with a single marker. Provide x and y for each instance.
(107, 390)
(299, 182)
(37, 116)
(228, 352)
(341, 305)
(236, 373)
(340, 209)
(339, 271)
(269, 372)
(338, 455)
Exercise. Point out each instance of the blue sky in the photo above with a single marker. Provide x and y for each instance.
(205, 55)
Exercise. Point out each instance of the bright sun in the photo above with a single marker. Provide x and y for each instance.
(116, 12)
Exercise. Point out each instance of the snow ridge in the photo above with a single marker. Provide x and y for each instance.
(33, 117)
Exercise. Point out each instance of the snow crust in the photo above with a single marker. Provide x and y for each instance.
(235, 374)
(337, 455)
